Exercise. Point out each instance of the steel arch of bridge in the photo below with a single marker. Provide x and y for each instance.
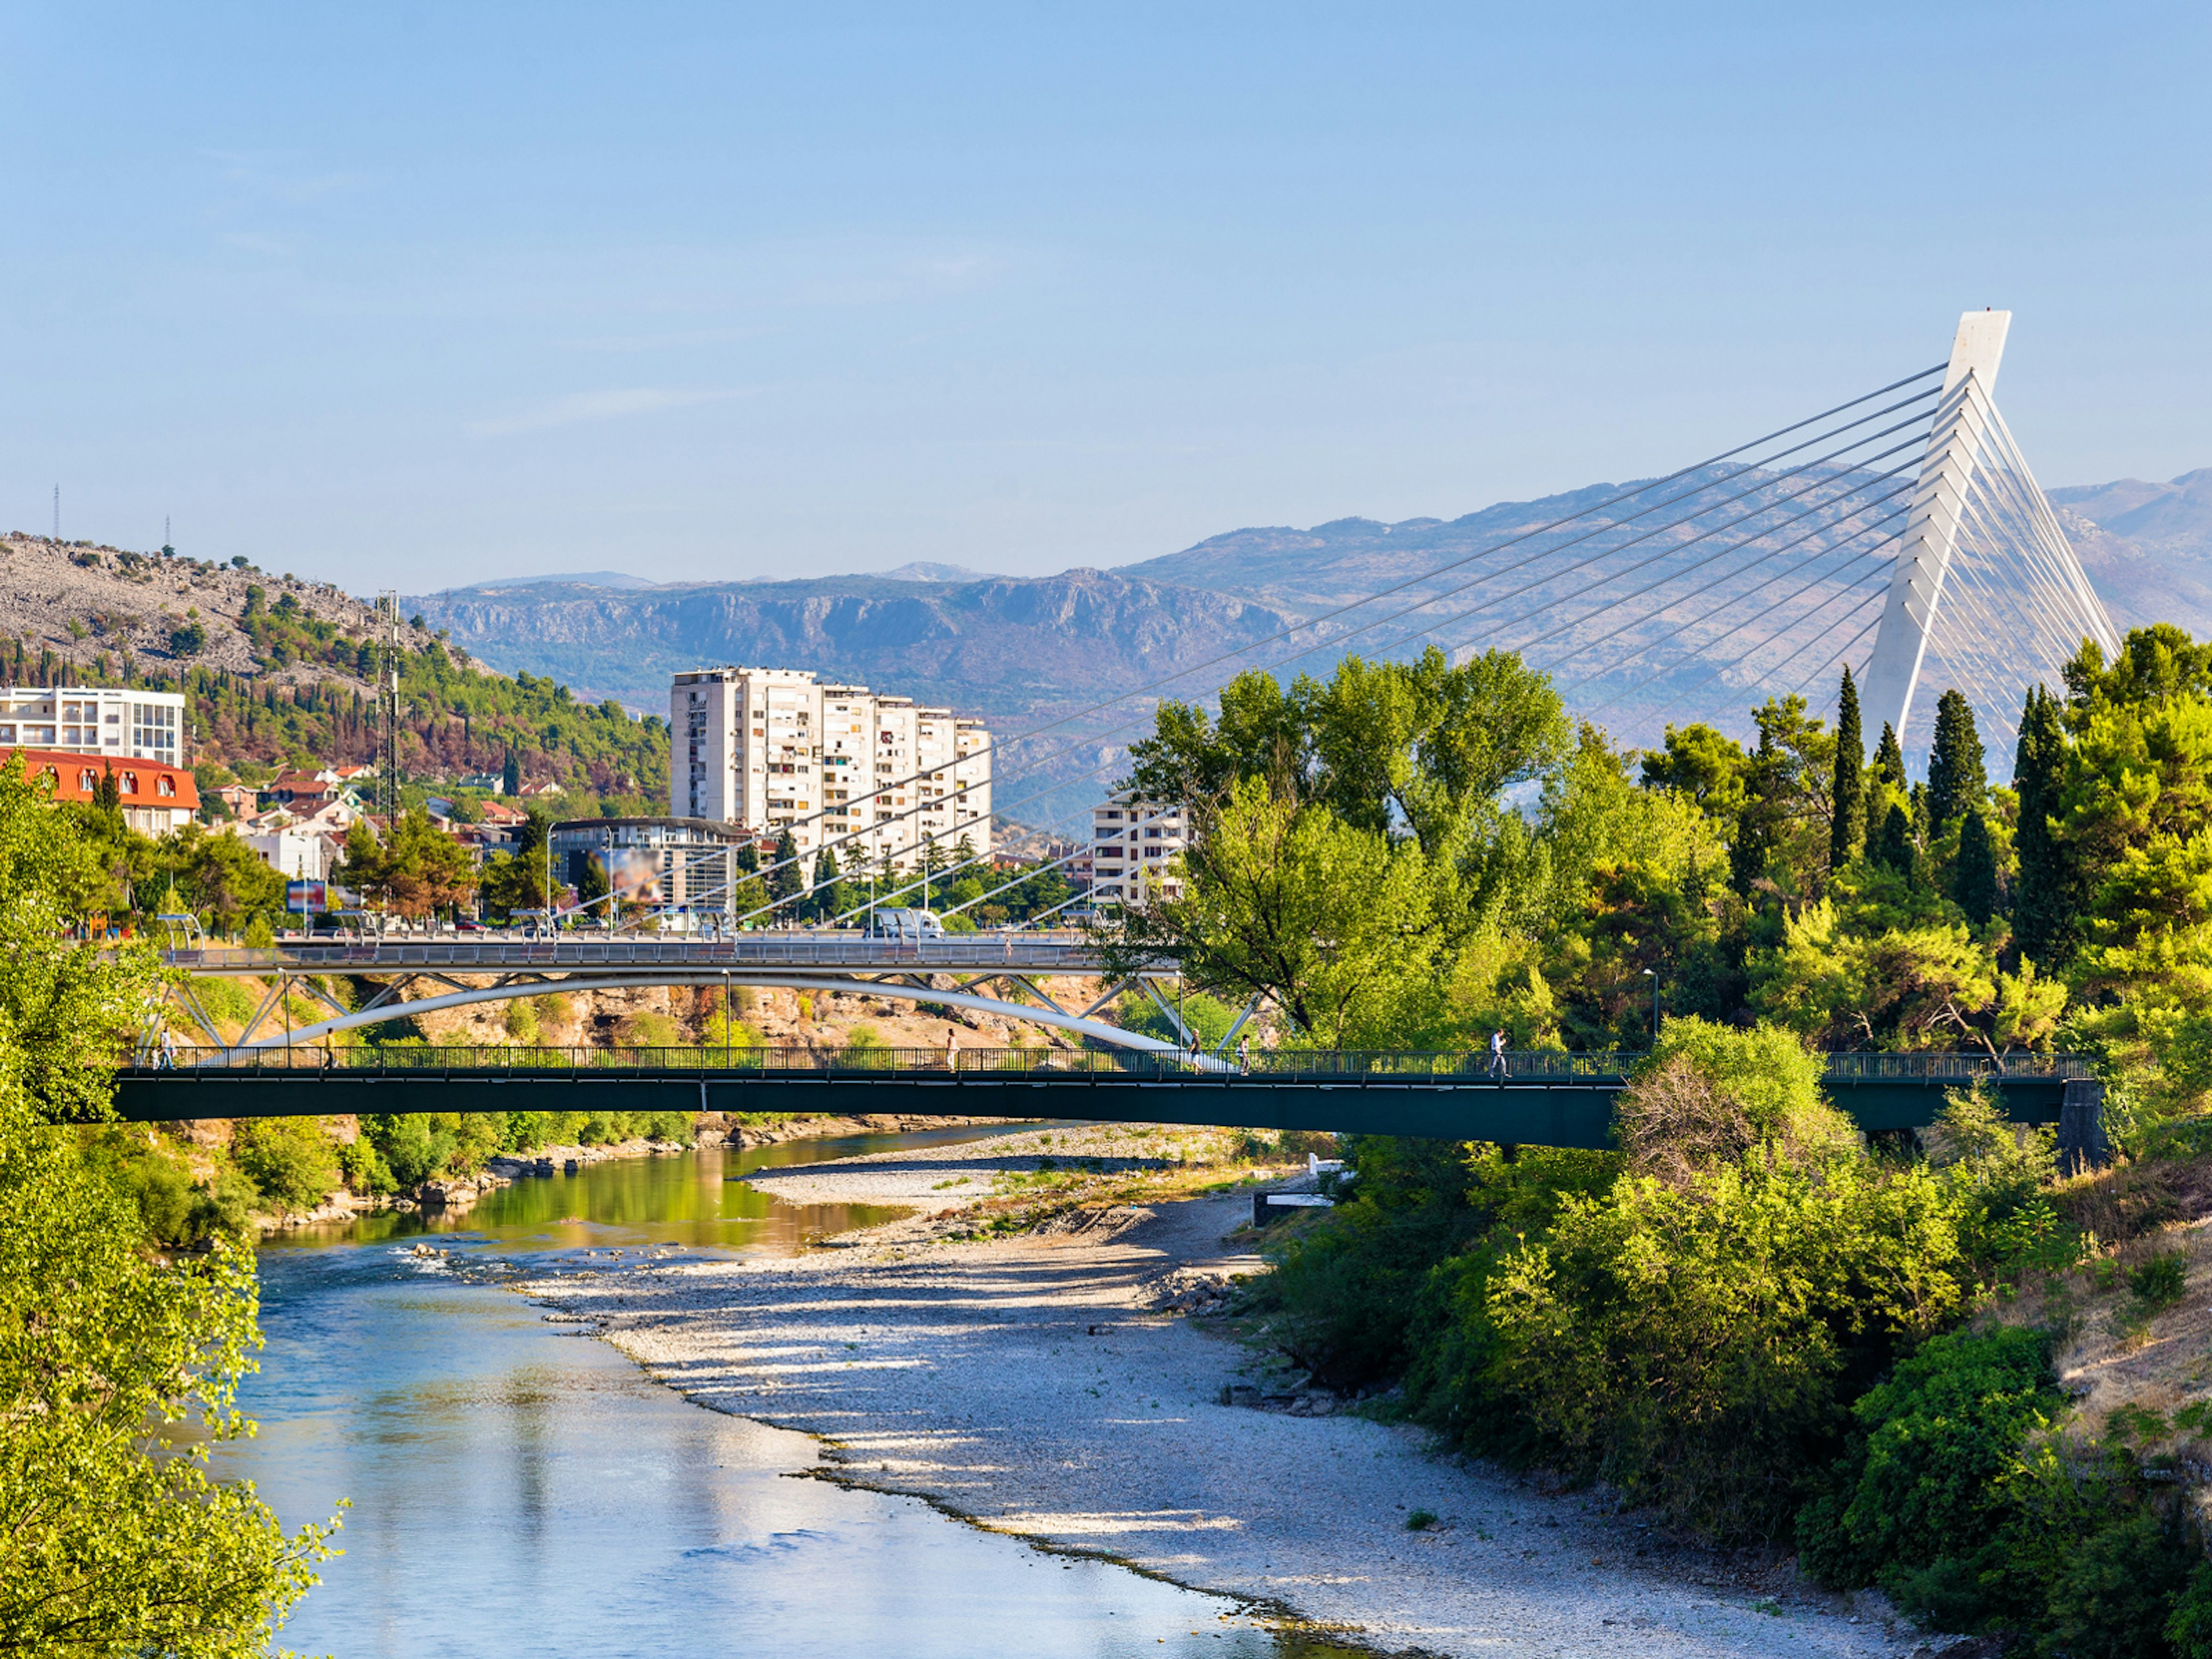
(896, 970)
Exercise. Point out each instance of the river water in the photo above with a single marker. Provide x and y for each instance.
(518, 1489)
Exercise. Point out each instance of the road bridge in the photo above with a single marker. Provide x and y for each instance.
(1541, 1099)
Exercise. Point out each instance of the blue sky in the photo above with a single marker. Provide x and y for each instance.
(416, 294)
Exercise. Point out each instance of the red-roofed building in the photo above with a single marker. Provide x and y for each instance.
(155, 798)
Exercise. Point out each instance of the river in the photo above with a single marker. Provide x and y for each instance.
(519, 1489)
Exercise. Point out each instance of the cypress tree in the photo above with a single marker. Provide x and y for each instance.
(1957, 782)
(1889, 759)
(2044, 902)
(1976, 875)
(788, 880)
(1894, 846)
(829, 900)
(1847, 823)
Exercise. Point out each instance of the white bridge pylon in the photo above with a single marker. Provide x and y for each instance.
(1986, 574)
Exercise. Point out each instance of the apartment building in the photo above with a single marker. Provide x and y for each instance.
(1132, 842)
(90, 719)
(872, 776)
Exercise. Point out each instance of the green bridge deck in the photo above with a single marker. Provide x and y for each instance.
(1541, 1099)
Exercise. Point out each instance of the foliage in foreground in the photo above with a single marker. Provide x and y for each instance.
(1771, 1337)
(117, 1364)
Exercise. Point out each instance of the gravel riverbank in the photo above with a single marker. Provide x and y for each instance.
(1032, 1384)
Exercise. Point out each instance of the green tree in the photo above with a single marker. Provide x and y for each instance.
(2047, 900)
(415, 872)
(1974, 877)
(221, 878)
(1847, 809)
(1957, 781)
(1782, 835)
(1894, 847)
(1889, 761)
(832, 894)
(114, 1538)
(1335, 925)
(1708, 766)
(518, 880)
(787, 880)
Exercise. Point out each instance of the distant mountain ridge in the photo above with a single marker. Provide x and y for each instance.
(1019, 651)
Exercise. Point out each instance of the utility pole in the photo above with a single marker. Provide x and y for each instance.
(57, 512)
(387, 697)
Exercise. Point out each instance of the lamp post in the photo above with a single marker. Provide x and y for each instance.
(1652, 974)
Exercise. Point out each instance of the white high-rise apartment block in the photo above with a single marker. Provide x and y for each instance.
(1131, 843)
(772, 749)
(93, 719)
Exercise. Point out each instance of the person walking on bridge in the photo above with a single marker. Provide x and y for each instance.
(951, 1048)
(1497, 1055)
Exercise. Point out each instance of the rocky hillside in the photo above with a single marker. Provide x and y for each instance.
(83, 603)
(995, 647)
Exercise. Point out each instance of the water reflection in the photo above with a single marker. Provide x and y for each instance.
(520, 1489)
(695, 1199)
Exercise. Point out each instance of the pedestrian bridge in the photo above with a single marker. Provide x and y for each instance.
(1540, 1098)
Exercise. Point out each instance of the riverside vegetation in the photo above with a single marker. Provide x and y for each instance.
(118, 1357)
(1745, 1313)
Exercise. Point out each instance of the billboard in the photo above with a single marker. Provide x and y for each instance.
(308, 898)
(633, 873)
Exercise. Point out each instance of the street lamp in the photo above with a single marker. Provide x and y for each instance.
(1652, 974)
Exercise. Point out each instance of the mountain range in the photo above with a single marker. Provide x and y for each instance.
(1024, 651)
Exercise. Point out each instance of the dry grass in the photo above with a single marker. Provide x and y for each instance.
(2132, 1367)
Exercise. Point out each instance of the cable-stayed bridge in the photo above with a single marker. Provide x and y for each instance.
(1900, 532)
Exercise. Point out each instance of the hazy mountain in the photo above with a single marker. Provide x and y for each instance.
(615, 579)
(921, 570)
(1022, 651)
(2148, 547)
(2175, 517)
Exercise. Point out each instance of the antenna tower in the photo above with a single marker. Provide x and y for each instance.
(387, 708)
(57, 512)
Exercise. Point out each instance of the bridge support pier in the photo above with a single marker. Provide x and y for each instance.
(2081, 1143)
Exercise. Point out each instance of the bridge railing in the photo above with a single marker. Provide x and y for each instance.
(1527, 1065)
(1037, 952)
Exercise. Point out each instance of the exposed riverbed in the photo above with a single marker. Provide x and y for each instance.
(519, 1488)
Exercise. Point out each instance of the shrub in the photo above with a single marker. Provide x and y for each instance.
(364, 1167)
(521, 1021)
(2160, 1281)
(1938, 1465)
(289, 1160)
(648, 1030)
(411, 1151)
(1708, 1093)
(2116, 1595)
(226, 1000)
(1691, 1345)
(259, 935)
